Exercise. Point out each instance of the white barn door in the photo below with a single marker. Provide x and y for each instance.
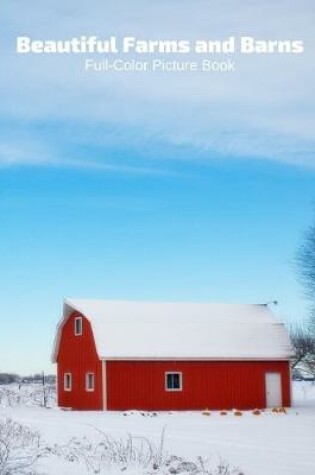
(273, 390)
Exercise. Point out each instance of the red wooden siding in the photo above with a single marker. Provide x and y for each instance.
(77, 355)
(211, 384)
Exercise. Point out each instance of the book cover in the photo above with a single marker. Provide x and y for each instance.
(157, 237)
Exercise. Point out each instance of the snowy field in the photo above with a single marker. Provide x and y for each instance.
(75, 442)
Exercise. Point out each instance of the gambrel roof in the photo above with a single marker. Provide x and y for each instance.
(181, 330)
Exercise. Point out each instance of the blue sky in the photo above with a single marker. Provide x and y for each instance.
(171, 187)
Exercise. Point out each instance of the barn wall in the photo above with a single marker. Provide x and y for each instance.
(213, 385)
(77, 355)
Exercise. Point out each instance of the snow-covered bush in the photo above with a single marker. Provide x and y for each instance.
(135, 455)
(13, 395)
(20, 448)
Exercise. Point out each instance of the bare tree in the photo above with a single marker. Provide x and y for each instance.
(304, 344)
(306, 268)
(303, 339)
(8, 378)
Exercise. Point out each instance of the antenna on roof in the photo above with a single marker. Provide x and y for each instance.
(272, 302)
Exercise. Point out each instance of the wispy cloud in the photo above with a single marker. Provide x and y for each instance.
(17, 153)
(37, 153)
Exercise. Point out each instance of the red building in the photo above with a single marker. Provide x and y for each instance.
(170, 356)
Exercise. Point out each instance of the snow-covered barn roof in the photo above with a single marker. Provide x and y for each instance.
(180, 330)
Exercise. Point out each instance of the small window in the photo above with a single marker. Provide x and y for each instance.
(67, 382)
(173, 381)
(89, 382)
(78, 326)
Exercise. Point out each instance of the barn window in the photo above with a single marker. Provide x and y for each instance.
(78, 326)
(89, 382)
(173, 381)
(67, 382)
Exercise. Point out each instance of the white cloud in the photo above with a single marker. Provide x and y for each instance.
(17, 152)
(264, 110)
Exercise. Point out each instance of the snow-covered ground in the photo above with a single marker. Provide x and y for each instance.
(265, 444)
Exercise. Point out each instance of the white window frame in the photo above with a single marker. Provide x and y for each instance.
(180, 381)
(76, 332)
(67, 387)
(89, 388)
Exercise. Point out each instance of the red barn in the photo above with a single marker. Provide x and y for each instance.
(170, 356)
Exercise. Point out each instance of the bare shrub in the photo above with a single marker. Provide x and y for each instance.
(137, 454)
(303, 341)
(8, 397)
(19, 448)
(13, 395)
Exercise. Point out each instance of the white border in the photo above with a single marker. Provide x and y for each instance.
(190, 358)
(104, 385)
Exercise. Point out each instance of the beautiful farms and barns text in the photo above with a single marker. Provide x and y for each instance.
(130, 44)
(205, 51)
